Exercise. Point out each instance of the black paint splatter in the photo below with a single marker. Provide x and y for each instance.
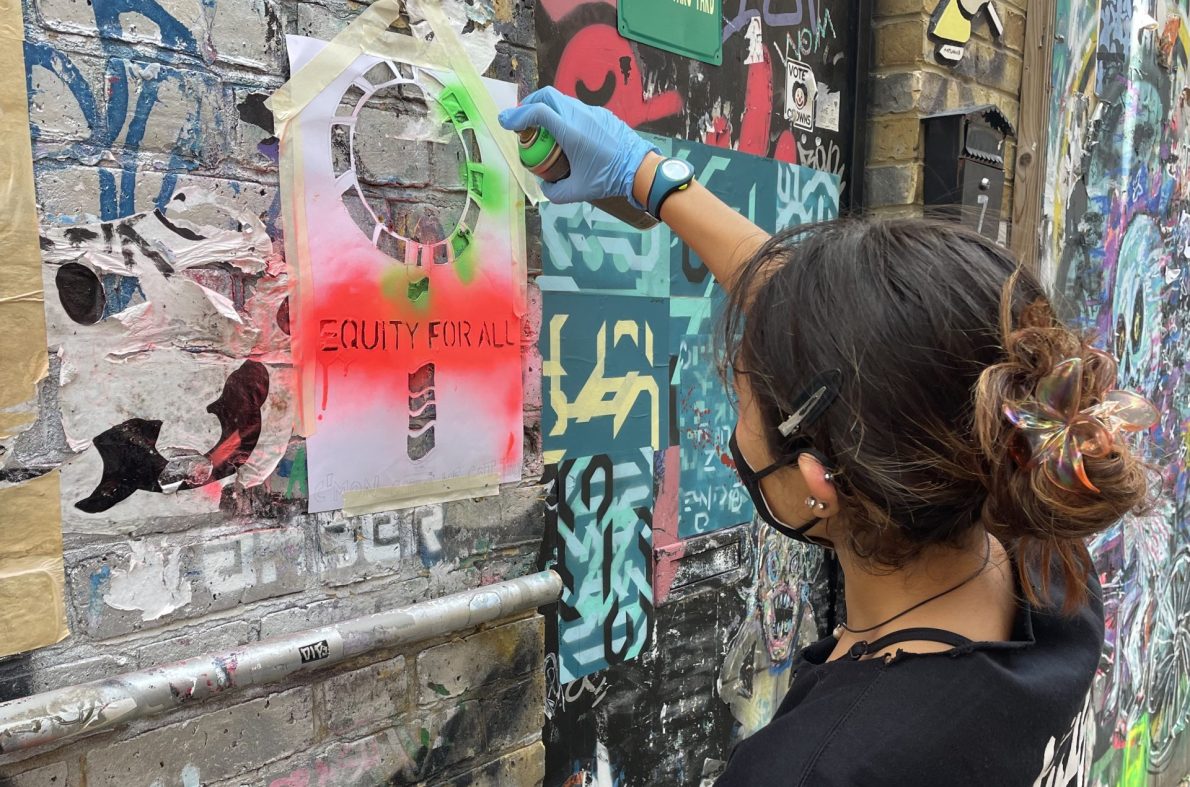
(131, 462)
(131, 236)
(81, 293)
(185, 233)
(238, 409)
(252, 110)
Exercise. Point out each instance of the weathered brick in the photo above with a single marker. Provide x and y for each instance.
(515, 64)
(361, 698)
(373, 761)
(214, 746)
(893, 93)
(514, 22)
(523, 767)
(79, 670)
(515, 715)
(449, 736)
(250, 33)
(334, 610)
(149, 583)
(203, 638)
(351, 549)
(898, 184)
(882, 9)
(941, 91)
(458, 666)
(901, 43)
(47, 776)
(991, 67)
(896, 138)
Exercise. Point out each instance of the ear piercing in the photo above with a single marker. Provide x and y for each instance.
(814, 503)
(829, 477)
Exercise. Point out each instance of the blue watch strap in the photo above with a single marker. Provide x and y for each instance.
(673, 175)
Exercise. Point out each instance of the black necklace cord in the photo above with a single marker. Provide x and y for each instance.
(838, 632)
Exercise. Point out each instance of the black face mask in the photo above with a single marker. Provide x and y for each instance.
(813, 401)
(751, 480)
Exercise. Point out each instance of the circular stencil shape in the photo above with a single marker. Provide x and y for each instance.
(406, 156)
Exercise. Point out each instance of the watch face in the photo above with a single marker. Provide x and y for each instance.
(677, 169)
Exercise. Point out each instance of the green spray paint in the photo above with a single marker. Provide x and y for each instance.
(486, 186)
(297, 474)
(1136, 755)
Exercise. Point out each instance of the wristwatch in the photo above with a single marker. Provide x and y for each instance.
(673, 175)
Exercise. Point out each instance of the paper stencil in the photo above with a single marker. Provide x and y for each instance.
(408, 337)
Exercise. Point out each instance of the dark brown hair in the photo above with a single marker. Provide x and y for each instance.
(935, 329)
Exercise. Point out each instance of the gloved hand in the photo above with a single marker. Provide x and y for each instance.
(604, 152)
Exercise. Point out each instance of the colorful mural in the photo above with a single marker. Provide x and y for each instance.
(1116, 242)
(785, 90)
(647, 519)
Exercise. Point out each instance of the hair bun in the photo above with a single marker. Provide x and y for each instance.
(1046, 497)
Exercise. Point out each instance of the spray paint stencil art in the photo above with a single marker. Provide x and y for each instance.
(409, 330)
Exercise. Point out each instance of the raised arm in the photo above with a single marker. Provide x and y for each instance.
(609, 159)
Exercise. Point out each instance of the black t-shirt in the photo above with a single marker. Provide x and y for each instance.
(985, 713)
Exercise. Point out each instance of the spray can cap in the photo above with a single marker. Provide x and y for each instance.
(536, 145)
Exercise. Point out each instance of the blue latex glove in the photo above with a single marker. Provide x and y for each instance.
(604, 152)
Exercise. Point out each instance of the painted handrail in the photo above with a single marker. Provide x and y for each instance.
(87, 708)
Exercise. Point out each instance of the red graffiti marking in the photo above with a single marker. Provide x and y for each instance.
(668, 549)
(719, 134)
(559, 9)
(758, 108)
(600, 68)
(786, 149)
(757, 118)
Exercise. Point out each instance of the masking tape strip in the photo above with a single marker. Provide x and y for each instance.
(373, 501)
(23, 357)
(301, 295)
(364, 36)
(32, 575)
(464, 69)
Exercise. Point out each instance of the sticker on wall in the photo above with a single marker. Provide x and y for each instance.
(408, 309)
(691, 28)
(755, 36)
(951, 23)
(801, 91)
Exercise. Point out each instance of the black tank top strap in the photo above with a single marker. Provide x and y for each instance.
(861, 649)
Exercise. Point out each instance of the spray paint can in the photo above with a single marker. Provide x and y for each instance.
(543, 156)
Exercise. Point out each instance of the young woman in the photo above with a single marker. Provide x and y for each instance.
(908, 399)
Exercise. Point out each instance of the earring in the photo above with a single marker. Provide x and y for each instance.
(813, 503)
(829, 477)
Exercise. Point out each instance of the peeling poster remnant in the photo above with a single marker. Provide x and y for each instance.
(175, 375)
(408, 337)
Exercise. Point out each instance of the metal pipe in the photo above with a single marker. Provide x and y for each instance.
(73, 711)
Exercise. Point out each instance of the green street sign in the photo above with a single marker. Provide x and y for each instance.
(693, 28)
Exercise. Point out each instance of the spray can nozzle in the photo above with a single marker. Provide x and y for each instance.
(541, 154)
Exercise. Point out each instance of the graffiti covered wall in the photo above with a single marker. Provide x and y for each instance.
(785, 90)
(193, 516)
(680, 615)
(1116, 235)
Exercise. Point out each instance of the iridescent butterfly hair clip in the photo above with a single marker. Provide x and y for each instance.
(1060, 435)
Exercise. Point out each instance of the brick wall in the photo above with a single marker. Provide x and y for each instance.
(129, 103)
(909, 82)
